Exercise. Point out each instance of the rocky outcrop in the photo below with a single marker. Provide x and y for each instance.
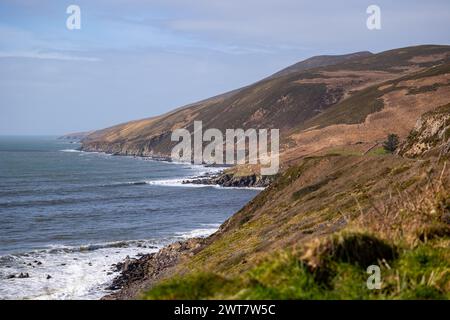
(430, 135)
(222, 179)
(231, 180)
(140, 273)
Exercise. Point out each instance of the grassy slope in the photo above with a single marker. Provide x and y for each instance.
(313, 233)
(419, 273)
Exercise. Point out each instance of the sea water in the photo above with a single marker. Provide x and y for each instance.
(67, 216)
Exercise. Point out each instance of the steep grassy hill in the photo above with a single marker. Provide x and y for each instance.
(314, 232)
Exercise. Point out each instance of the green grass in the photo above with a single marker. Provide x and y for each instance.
(344, 152)
(192, 287)
(422, 273)
(408, 238)
(378, 152)
(283, 277)
(419, 273)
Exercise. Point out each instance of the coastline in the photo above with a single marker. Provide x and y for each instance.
(84, 268)
(221, 178)
(137, 274)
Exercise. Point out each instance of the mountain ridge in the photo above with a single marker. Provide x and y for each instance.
(320, 61)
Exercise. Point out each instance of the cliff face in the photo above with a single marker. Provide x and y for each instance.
(430, 135)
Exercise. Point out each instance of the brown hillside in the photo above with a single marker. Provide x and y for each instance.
(358, 99)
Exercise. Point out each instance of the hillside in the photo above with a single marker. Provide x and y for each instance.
(320, 61)
(312, 234)
(341, 202)
(316, 104)
(367, 116)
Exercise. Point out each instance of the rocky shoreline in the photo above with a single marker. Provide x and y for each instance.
(223, 179)
(229, 180)
(138, 274)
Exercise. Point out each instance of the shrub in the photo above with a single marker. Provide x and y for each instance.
(391, 143)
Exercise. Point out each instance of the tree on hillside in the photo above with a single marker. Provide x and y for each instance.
(391, 143)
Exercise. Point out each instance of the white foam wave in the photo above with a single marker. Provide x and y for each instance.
(71, 150)
(239, 188)
(176, 183)
(75, 272)
(205, 231)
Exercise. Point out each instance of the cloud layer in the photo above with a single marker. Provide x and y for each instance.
(138, 58)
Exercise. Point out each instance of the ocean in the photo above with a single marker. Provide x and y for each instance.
(67, 216)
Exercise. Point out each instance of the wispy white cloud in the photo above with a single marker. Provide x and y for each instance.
(46, 56)
(160, 54)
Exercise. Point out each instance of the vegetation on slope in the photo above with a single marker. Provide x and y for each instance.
(321, 61)
(357, 107)
(419, 273)
(393, 60)
(409, 238)
(314, 232)
(430, 135)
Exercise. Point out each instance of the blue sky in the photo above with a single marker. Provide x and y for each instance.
(138, 58)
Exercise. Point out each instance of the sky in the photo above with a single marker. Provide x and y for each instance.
(133, 59)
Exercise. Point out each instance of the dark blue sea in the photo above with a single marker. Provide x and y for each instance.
(67, 216)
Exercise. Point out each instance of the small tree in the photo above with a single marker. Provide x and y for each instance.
(391, 144)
